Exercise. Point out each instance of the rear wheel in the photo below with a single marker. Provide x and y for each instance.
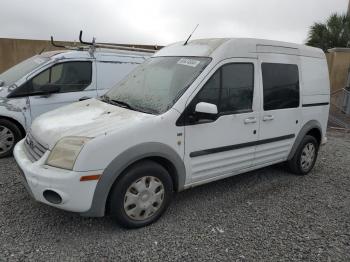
(141, 195)
(9, 136)
(305, 157)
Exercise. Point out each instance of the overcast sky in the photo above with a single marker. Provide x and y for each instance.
(163, 21)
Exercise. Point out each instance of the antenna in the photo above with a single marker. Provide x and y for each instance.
(191, 34)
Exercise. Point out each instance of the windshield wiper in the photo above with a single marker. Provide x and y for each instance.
(121, 103)
(115, 102)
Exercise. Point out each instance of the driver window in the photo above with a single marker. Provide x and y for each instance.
(230, 88)
(56, 73)
(41, 80)
(69, 77)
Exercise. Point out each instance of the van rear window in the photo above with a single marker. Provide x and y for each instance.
(280, 85)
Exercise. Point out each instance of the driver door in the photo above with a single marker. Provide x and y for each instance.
(224, 144)
(68, 81)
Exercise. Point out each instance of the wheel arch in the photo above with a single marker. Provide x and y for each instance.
(17, 123)
(157, 152)
(312, 128)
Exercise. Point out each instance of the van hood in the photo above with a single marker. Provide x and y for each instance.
(89, 118)
(4, 91)
(8, 104)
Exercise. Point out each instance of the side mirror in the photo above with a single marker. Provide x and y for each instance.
(206, 108)
(204, 113)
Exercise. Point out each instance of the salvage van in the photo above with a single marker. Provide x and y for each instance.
(193, 113)
(54, 79)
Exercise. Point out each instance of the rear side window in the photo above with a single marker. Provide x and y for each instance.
(280, 85)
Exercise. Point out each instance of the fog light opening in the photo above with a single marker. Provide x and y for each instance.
(52, 197)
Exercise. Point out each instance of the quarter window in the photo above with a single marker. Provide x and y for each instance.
(280, 85)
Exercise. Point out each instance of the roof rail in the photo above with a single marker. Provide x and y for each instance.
(67, 47)
(111, 46)
(91, 46)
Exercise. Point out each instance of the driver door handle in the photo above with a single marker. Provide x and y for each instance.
(250, 120)
(268, 118)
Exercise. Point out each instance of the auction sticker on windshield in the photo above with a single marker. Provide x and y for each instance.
(188, 62)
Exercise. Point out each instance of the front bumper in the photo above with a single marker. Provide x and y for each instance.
(37, 178)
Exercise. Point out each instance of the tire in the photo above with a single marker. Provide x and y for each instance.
(10, 134)
(141, 195)
(302, 162)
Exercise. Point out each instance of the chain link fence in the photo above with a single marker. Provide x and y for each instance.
(339, 115)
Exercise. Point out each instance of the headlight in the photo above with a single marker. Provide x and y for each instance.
(66, 151)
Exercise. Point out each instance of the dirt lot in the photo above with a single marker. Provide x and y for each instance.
(265, 215)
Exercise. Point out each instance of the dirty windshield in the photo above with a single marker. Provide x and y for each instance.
(16, 72)
(155, 86)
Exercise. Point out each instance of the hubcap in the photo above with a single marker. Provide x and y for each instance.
(143, 198)
(7, 139)
(307, 156)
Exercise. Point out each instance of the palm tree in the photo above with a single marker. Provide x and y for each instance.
(334, 33)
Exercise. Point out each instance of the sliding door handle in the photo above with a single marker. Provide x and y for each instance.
(250, 120)
(268, 118)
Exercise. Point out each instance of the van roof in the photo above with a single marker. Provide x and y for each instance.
(237, 47)
(99, 52)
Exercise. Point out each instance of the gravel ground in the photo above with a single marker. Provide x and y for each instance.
(265, 215)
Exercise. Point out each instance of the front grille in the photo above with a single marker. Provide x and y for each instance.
(33, 148)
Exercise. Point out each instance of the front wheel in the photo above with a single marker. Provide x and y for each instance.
(305, 157)
(141, 195)
(9, 136)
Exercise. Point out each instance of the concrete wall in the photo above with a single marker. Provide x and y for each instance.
(13, 51)
(339, 65)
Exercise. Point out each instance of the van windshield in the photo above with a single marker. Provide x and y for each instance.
(156, 85)
(16, 72)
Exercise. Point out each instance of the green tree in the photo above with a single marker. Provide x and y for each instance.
(334, 33)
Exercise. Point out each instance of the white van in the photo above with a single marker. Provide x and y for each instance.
(53, 79)
(189, 115)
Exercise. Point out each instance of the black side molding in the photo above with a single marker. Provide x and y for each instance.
(239, 146)
(316, 104)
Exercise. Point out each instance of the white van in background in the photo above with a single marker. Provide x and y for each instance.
(54, 79)
(191, 114)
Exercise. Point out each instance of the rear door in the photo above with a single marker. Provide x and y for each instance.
(75, 80)
(226, 144)
(280, 116)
